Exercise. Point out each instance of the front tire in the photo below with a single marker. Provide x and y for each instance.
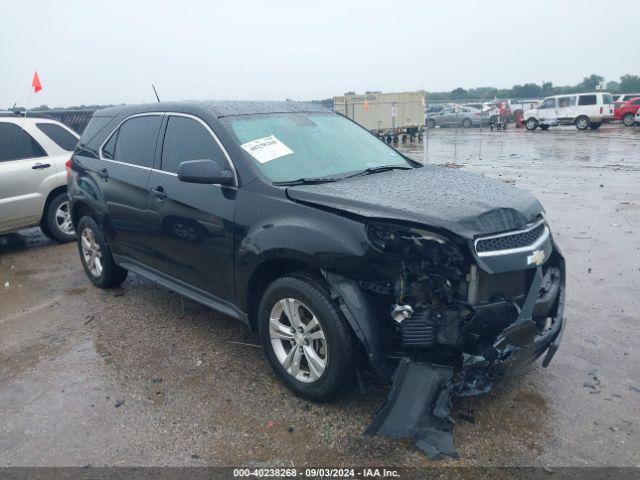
(96, 257)
(305, 337)
(582, 122)
(628, 119)
(531, 124)
(431, 123)
(544, 127)
(595, 126)
(56, 223)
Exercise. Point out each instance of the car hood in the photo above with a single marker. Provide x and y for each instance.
(460, 202)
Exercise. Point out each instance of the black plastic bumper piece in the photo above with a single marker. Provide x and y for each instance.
(418, 407)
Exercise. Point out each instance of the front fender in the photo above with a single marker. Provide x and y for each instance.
(293, 241)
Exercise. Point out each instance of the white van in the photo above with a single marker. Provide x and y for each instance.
(584, 110)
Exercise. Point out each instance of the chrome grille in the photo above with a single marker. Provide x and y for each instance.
(511, 240)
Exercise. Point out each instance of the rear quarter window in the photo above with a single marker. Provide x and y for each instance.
(59, 135)
(93, 135)
(606, 98)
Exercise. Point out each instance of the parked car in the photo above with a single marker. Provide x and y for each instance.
(584, 110)
(627, 111)
(33, 185)
(321, 238)
(625, 97)
(637, 118)
(462, 116)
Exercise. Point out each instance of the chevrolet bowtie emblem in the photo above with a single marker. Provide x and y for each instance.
(536, 258)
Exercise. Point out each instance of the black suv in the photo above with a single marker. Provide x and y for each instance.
(329, 244)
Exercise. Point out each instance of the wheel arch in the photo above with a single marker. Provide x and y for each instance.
(80, 209)
(265, 273)
(355, 305)
(52, 194)
(575, 122)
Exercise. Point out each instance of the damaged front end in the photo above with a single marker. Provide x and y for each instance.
(461, 314)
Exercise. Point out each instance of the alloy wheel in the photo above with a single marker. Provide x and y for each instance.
(628, 120)
(91, 252)
(298, 340)
(63, 218)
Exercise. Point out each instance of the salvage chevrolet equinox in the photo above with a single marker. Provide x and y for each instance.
(330, 245)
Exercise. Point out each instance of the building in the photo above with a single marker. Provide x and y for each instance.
(375, 111)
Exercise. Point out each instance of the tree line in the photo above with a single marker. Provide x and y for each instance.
(627, 84)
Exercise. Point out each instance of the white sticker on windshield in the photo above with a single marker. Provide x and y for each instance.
(266, 149)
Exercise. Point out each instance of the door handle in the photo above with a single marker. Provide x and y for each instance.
(158, 192)
(103, 173)
(40, 166)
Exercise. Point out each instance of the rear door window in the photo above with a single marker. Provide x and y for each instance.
(136, 139)
(16, 144)
(588, 100)
(59, 135)
(187, 139)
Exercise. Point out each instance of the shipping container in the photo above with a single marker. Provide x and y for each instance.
(381, 111)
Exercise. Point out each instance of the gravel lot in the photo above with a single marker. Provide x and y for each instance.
(141, 376)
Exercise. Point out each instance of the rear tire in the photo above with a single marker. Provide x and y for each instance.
(96, 257)
(582, 122)
(56, 223)
(466, 123)
(628, 119)
(333, 365)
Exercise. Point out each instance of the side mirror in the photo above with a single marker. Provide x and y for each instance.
(204, 171)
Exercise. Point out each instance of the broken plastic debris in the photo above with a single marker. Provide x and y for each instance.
(418, 407)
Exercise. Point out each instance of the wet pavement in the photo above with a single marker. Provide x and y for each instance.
(142, 376)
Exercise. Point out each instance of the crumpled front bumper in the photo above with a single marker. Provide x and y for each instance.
(419, 404)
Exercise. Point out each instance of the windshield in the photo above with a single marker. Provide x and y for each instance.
(290, 146)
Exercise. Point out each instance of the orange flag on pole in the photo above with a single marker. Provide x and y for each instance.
(366, 105)
(37, 86)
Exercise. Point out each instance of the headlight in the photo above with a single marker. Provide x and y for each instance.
(401, 240)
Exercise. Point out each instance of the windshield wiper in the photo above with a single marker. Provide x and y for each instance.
(316, 180)
(384, 168)
(306, 181)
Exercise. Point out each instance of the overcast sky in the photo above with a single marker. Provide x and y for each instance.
(90, 52)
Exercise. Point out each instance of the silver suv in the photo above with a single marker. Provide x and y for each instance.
(33, 184)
